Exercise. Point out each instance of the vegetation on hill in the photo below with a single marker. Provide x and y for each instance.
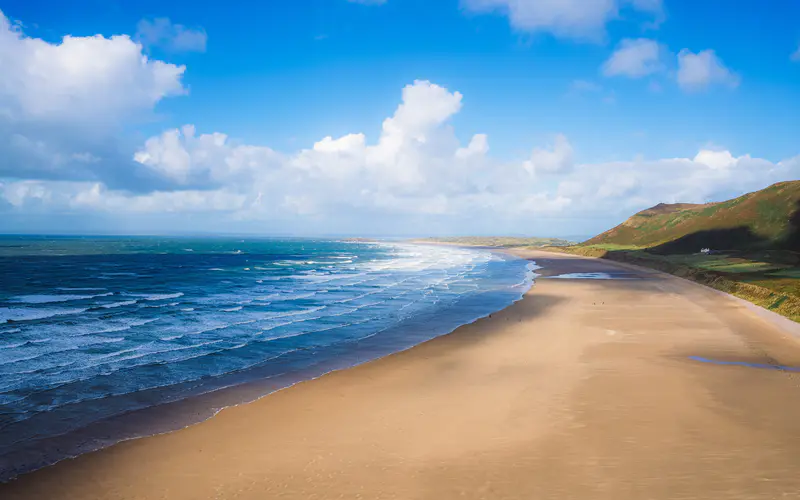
(765, 219)
(753, 243)
(499, 241)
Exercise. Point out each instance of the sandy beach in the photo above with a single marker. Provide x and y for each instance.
(646, 387)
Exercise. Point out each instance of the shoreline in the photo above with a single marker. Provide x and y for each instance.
(458, 414)
(780, 321)
(173, 416)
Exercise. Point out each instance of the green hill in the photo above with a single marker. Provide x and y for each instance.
(766, 219)
(755, 240)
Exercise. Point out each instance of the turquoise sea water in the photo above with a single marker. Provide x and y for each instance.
(94, 330)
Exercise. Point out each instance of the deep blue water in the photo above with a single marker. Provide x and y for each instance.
(92, 329)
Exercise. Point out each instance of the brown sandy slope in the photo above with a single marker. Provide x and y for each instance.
(583, 390)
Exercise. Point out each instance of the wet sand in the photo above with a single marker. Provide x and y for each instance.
(585, 389)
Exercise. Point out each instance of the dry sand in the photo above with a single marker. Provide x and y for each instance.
(582, 390)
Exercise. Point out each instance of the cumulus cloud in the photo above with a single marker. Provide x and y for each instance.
(61, 102)
(415, 168)
(205, 161)
(624, 187)
(555, 161)
(581, 19)
(162, 33)
(56, 110)
(478, 147)
(81, 79)
(635, 58)
(699, 71)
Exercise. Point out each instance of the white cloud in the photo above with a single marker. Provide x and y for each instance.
(715, 159)
(346, 144)
(32, 195)
(557, 161)
(624, 187)
(478, 146)
(61, 103)
(207, 160)
(415, 173)
(581, 19)
(494, 190)
(703, 69)
(635, 58)
(160, 32)
(80, 79)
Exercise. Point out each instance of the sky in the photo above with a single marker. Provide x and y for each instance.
(388, 117)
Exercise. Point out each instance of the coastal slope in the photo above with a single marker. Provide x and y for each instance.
(765, 219)
(645, 386)
(748, 246)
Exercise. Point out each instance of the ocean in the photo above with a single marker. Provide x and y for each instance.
(109, 338)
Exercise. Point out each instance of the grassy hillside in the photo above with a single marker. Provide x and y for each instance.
(765, 219)
(755, 238)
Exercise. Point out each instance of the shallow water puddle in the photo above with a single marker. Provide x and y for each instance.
(594, 276)
(746, 364)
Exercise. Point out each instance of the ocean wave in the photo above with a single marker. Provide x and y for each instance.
(120, 356)
(159, 306)
(157, 296)
(283, 297)
(80, 289)
(223, 326)
(294, 313)
(150, 386)
(15, 315)
(119, 304)
(363, 294)
(51, 299)
(121, 328)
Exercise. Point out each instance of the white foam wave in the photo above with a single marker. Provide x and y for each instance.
(280, 297)
(123, 327)
(159, 306)
(50, 299)
(294, 313)
(119, 304)
(80, 289)
(158, 296)
(11, 314)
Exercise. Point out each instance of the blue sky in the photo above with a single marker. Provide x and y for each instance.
(283, 75)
